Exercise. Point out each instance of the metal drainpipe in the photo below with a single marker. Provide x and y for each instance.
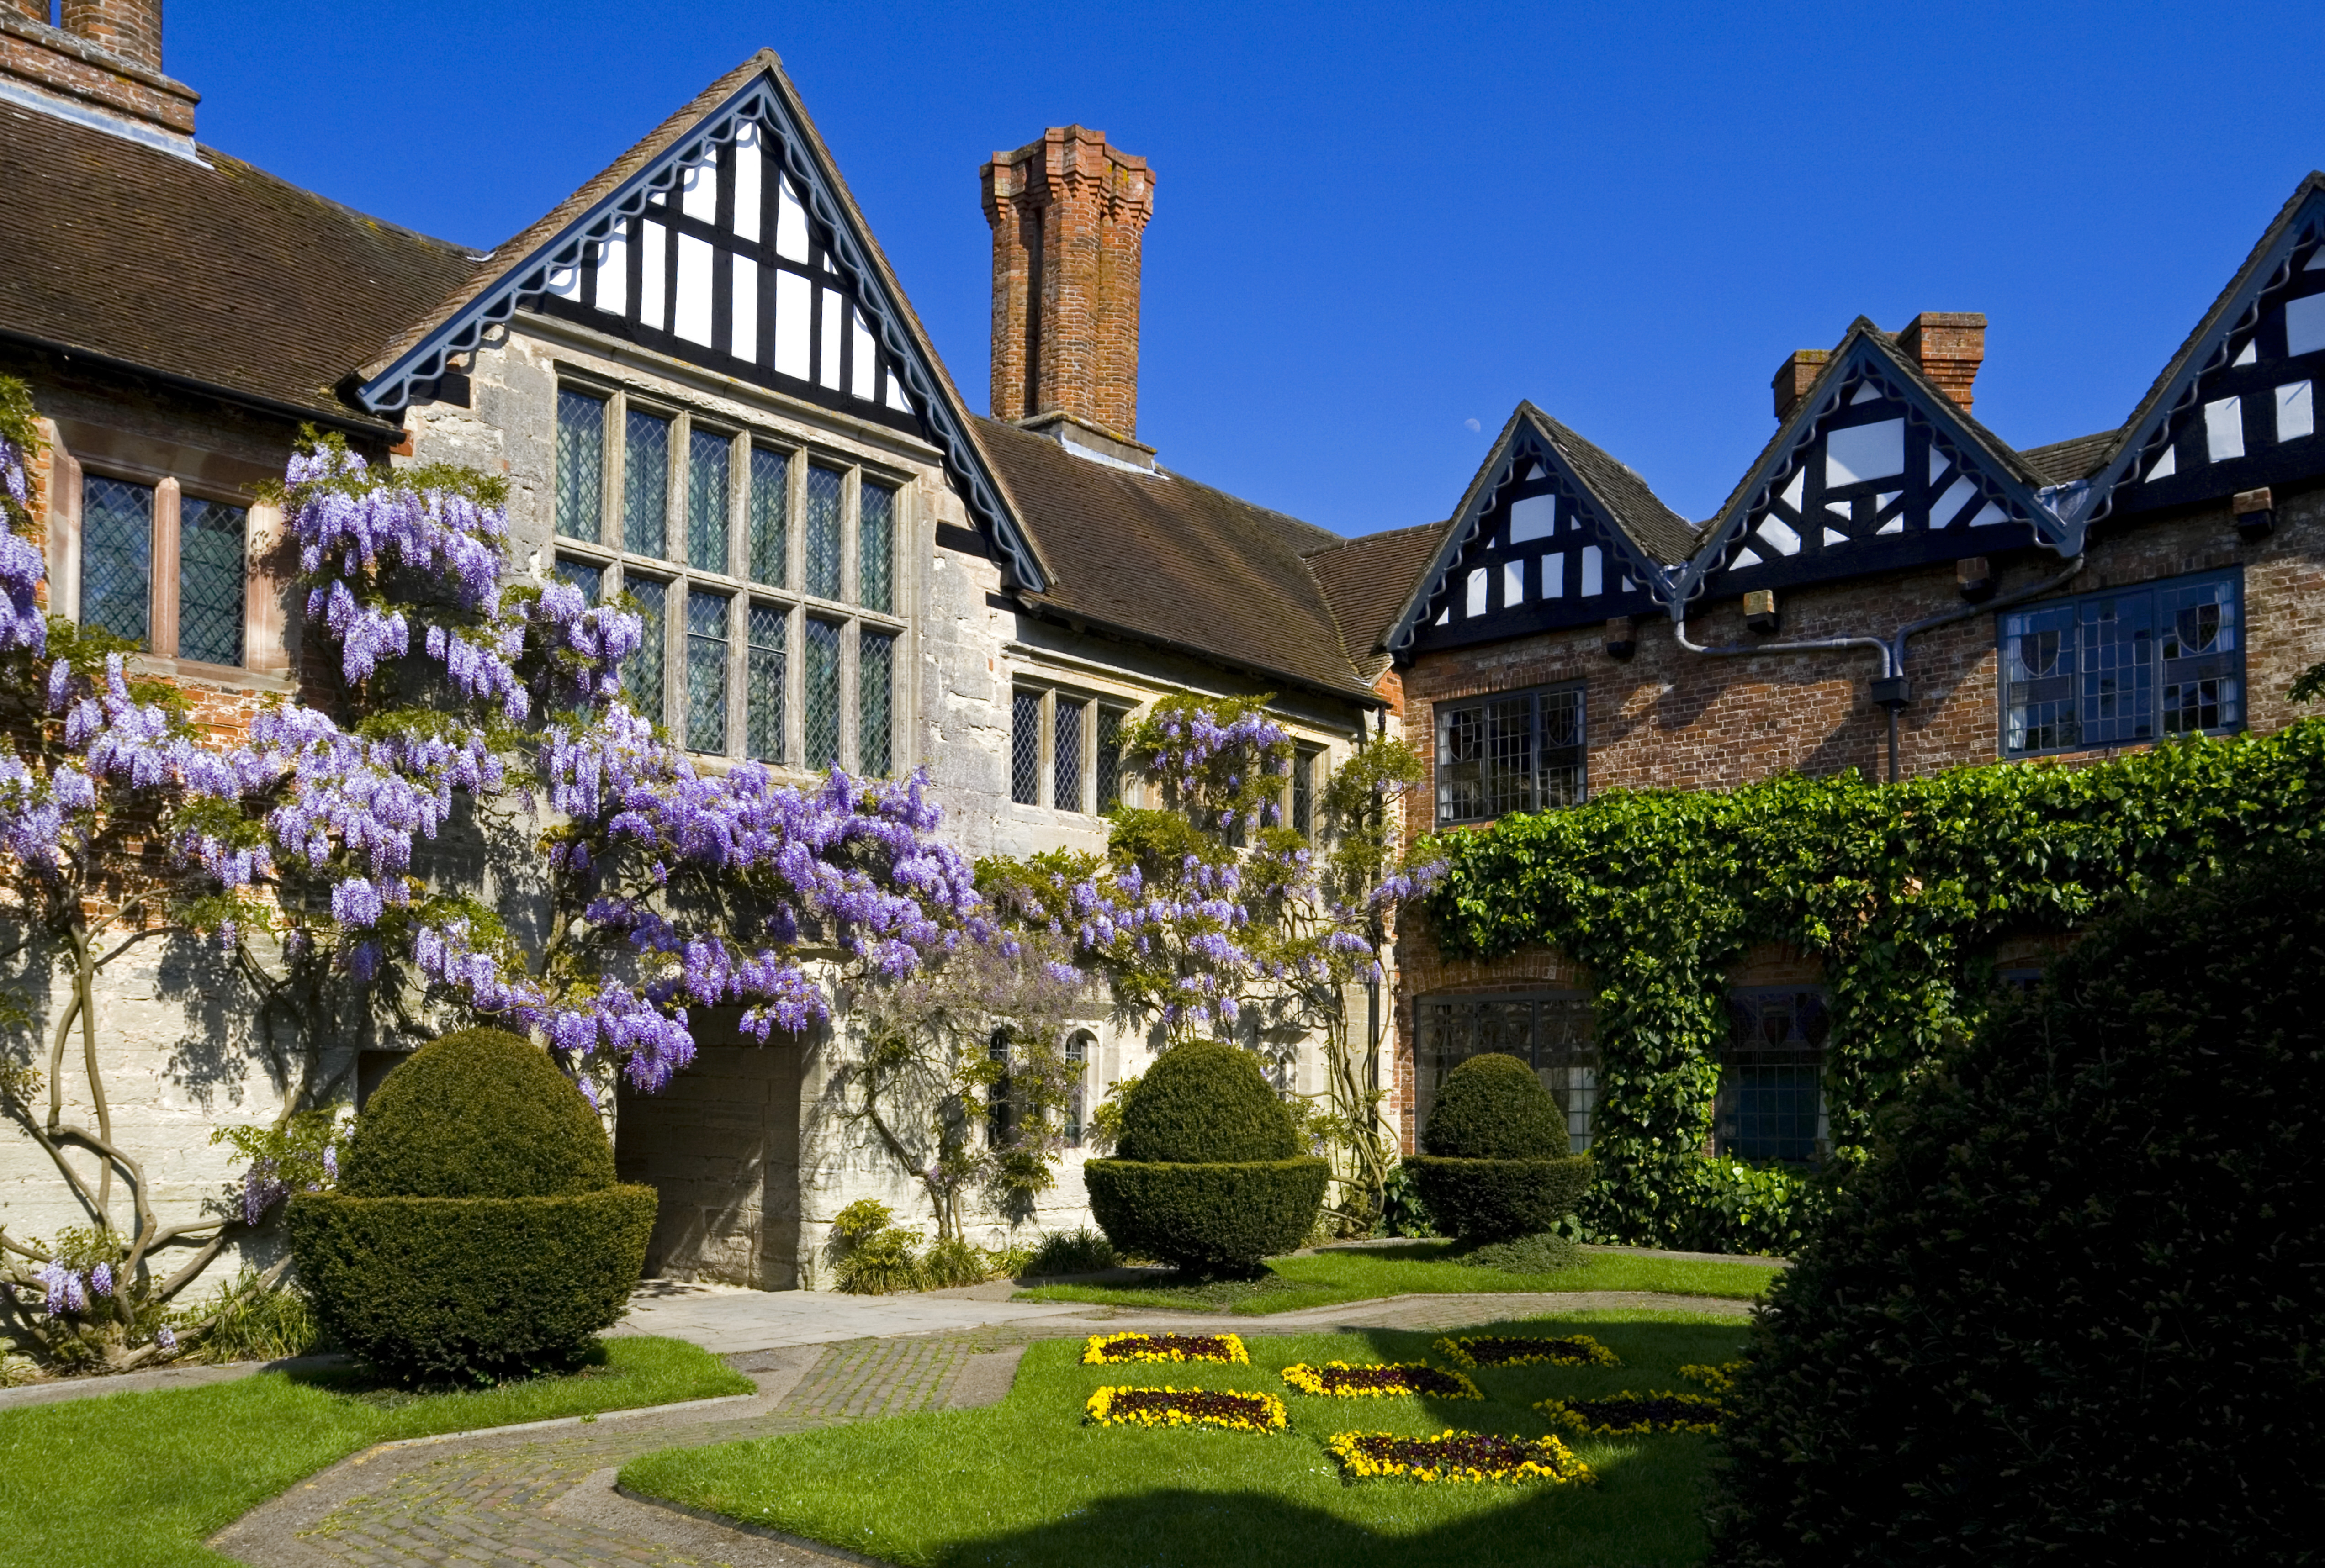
(1890, 689)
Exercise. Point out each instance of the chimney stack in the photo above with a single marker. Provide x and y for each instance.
(103, 68)
(1068, 214)
(1949, 345)
(1791, 382)
(130, 29)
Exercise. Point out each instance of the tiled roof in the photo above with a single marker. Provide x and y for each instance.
(1366, 582)
(2063, 461)
(224, 275)
(1160, 558)
(1663, 534)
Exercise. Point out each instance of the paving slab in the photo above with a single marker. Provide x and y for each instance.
(725, 1321)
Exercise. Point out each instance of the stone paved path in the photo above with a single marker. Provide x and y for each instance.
(546, 1497)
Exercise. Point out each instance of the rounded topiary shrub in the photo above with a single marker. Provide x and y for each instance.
(1496, 1164)
(2071, 1311)
(1209, 1174)
(478, 1231)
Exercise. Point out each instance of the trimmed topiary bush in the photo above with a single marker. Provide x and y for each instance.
(1209, 1174)
(2071, 1310)
(517, 1268)
(1496, 1164)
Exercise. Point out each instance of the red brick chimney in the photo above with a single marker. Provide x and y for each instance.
(102, 66)
(1791, 382)
(1069, 215)
(1949, 345)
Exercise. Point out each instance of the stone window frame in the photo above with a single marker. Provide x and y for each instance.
(617, 564)
(266, 654)
(1092, 701)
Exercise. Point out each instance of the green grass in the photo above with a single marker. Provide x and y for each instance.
(1361, 1273)
(140, 1481)
(1024, 1483)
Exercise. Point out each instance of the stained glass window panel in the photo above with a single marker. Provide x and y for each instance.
(1066, 757)
(2116, 666)
(643, 673)
(1110, 721)
(876, 533)
(2125, 667)
(822, 715)
(1770, 1099)
(116, 556)
(2201, 664)
(707, 501)
(876, 705)
(705, 670)
(823, 489)
(210, 580)
(645, 485)
(771, 543)
(1519, 753)
(2038, 680)
(1025, 748)
(763, 672)
(580, 465)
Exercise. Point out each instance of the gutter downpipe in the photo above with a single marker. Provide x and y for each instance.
(1890, 689)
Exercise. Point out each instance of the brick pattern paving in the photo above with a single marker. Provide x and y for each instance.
(875, 1377)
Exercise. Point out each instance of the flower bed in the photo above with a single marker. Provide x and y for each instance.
(1719, 1380)
(1343, 1380)
(1621, 1414)
(1185, 1407)
(1106, 1349)
(1456, 1456)
(1501, 1351)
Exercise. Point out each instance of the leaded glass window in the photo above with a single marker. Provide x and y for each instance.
(822, 715)
(580, 465)
(771, 501)
(1304, 792)
(1078, 1050)
(1000, 1105)
(708, 500)
(587, 576)
(705, 670)
(823, 492)
(1066, 756)
(1025, 748)
(210, 580)
(2125, 667)
(1550, 1031)
(1110, 723)
(1518, 751)
(644, 672)
(876, 703)
(645, 485)
(116, 556)
(764, 675)
(875, 537)
(1771, 1100)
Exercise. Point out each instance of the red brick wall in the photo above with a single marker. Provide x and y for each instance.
(1672, 719)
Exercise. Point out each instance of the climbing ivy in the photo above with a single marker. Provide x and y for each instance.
(1902, 890)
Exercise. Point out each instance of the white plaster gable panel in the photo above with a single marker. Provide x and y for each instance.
(1857, 452)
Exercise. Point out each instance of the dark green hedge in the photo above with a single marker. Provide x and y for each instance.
(430, 1289)
(1491, 1199)
(1220, 1215)
(2073, 1311)
(1492, 1107)
(1204, 1101)
(478, 1114)
(1902, 891)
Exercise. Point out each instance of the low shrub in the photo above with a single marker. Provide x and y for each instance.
(1497, 1165)
(953, 1262)
(471, 1289)
(529, 1251)
(1207, 1217)
(250, 1321)
(1209, 1176)
(2070, 1311)
(1402, 1212)
(880, 1263)
(1540, 1253)
(1734, 1205)
(1082, 1250)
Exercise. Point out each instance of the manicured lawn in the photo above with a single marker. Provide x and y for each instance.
(1359, 1273)
(1024, 1483)
(139, 1480)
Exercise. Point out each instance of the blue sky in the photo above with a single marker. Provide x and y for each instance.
(1376, 229)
